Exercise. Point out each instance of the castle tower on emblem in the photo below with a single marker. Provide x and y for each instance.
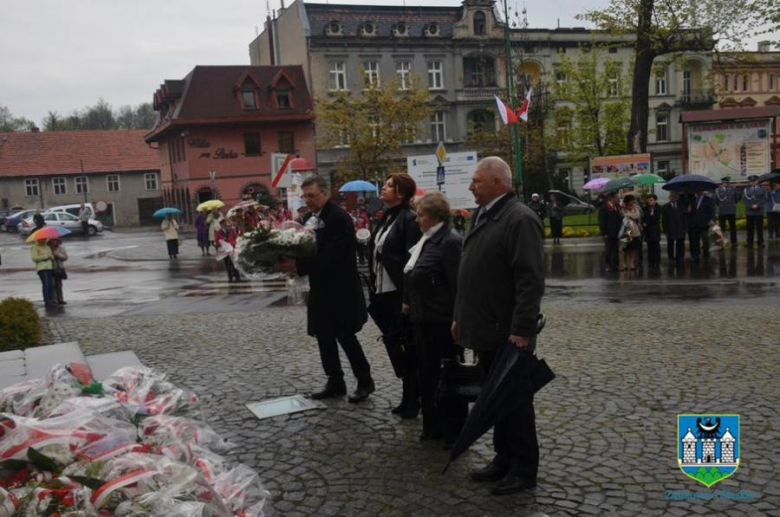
(708, 447)
(727, 447)
(689, 447)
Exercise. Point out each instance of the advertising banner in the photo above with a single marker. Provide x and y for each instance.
(622, 165)
(458, 170)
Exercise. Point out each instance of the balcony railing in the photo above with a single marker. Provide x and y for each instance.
(480, 93)
(697, 98)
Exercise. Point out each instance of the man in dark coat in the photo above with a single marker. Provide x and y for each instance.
(702, 210)
(673, 224)
(610, 222)
(500, 288)
(754, 199)
(651, 224)
(336, 308)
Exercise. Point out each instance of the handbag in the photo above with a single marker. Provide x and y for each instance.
(60, 274)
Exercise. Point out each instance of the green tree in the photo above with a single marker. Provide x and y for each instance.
(52, 122)
(9, 123)
(592, 106)
(99, 117)
(373, 124)
(664, 27)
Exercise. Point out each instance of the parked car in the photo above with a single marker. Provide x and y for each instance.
(572, 205)
(9, 223)
(73, 209)
(62, 219)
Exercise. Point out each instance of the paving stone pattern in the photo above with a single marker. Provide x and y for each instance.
(607, 424)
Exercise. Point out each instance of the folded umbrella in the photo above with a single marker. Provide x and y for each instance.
(47, 232)
(514, 376)
(164, 212)
(690, 182)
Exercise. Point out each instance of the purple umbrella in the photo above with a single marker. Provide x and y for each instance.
(595, 183)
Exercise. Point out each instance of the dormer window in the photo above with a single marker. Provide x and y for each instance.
(334, 29)
(368, 29)
(400, 30)
(432, 29)
(479, 23)
(249, 97)
(283, 99)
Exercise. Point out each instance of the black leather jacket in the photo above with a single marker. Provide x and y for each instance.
(429, 288)
(395, 252)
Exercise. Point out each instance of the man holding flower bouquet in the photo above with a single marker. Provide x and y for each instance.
(336, 308)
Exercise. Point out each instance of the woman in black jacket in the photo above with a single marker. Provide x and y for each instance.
(430, 278)
(651, 222)
(395, 235)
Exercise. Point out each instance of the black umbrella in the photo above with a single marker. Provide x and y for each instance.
(514, 374)
(689, 183)
(393, 341)
(770, 176)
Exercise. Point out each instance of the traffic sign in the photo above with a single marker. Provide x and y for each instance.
(441, 153)
(440, 176)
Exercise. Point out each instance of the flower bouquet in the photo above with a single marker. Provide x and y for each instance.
(260, 250)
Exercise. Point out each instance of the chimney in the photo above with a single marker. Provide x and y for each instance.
(764, 46)
(35, 129)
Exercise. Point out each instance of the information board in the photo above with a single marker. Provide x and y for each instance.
(736, 149)
(458, 168)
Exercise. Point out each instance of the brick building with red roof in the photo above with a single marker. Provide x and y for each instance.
(228, 122)
(52, 168)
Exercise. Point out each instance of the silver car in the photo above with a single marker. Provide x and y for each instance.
(63, 220)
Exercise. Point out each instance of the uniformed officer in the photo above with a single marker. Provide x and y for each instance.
(726, 197)
(753, 197)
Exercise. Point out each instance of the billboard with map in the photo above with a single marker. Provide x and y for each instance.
(737, 149)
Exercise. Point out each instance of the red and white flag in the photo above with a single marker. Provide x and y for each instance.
(522, 111)
(507, 115)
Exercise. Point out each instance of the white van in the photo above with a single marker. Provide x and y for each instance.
(74, 209)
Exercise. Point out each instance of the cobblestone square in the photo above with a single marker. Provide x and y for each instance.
(607, 424)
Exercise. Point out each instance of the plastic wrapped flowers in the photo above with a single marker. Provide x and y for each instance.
(133, 445)
(260, 250)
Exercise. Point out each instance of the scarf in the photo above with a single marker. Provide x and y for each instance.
(416, 250)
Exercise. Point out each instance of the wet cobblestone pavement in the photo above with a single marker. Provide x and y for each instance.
(607, 424)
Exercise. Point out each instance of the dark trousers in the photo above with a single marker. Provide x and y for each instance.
(731, 219)
(755, 224)
(654, 253)
(329, 354)
(399, 337)
(514, 437)
(774, 224)
(47, 284)
(611, 253)
(700, 243)
(361, 253)
(173, 247)
(58, 297)
(443, 418)
(85, 228)
(556, 228)
(232, 272)
(675, 249)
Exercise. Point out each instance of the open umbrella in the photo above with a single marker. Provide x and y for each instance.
(618, 184)
(164, 212)
(211, 204)
(770, 176)
(48, 232)
(514, 375)
(644, 180)
(690, 182)
(358, 186)
(595, 183)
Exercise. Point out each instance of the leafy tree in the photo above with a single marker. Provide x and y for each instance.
(664, 27)
(592, 106)
(9, 123)
(52, 122)
(145, 116)
(373, 124)
(125, 117)
(100, 117)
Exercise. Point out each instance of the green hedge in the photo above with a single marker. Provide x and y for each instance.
(20, 326)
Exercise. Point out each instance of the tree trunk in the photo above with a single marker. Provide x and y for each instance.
(643, 69)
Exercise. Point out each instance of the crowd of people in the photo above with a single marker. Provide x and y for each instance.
(432, 293)
(701, 216)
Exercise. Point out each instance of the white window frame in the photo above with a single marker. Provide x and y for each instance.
(371, 74)
(404, 73)
(745, 82)
(337, 76)
(736, 83)
(435, 75)
(661, 86)
(772, 82)
(726, 82)
(563, 131)
(662, 168)
(687, 84)
(439, 126)
(59, 186)
(82, 184)
(153, 177)
(32, 187)
(613, 85)
(561, 79)
(109, 182)
(662, 120)
(409, 134)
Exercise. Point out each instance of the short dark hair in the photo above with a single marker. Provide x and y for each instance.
(317, 181)
(611, 194)
(404, 185)
(629, 199)
(652, 196)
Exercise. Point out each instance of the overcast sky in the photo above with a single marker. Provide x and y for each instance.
(64, 55)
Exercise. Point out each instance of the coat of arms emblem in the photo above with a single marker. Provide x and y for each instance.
(708, 446)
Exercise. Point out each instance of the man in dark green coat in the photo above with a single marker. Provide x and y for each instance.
(500, 288)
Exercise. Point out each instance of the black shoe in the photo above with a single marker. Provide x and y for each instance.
(493, 472)
(512, 484)
(410, 411)
(429, 437)
(331, 391)
(400, 408)
(362, 392)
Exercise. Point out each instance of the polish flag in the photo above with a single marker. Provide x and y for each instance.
(522, 111)
(507, 115)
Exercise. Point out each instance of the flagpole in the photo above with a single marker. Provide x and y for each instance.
(510, 80)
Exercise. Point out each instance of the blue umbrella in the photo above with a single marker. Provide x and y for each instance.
(690, 182)
(164, 212)
(358, 186)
